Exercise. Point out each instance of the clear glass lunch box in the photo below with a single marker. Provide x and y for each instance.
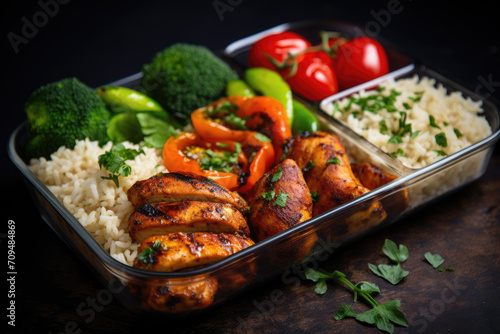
(142, 291)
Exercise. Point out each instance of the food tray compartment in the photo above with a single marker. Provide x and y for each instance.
(283, 254)
(237, 51)
(444, 175)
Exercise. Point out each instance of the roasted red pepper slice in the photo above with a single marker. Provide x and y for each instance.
(260, 113)
(268, 116)
(254, 159)
(207, 124)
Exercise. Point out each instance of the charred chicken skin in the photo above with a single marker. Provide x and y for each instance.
(181, 186)
(188, 216)
(373, 177)
(181, 251)
(279, 201)
(269, 217)
(174, 298)
(328, 174)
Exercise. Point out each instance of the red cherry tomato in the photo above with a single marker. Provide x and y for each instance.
(277, 46)
(359, 60)
(314, 78)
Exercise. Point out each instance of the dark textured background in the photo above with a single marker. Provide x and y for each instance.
(99, 42)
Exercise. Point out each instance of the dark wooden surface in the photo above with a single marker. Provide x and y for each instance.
(102, 41)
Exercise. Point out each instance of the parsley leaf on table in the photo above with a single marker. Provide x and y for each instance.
(392, 273)
(436, 260)
(398, 255)
(381, 315)
(344, 312)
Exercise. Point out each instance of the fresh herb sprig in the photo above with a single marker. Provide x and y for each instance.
(384, 316)
(392, 273)
(114, 161)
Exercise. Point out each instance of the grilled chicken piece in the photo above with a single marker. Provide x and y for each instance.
(328, 174)
(373, 177)
(174, 298)
(182, 251)
(182, 186)
(270, 215)
(188, 216)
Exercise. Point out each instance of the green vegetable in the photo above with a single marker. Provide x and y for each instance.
(146, 256)
(344, 312)
(281, 199)
(303, 119)
(436, 260)
(185, 77)
(124, 127)
(62, 112)
(138, 117)
(262, 138)
(270, 83)
(114, 161)
(441, 139)
(239, 87)
(122, 99)
(277, 175)
(381, 315)
(393, 274)
(268, 196)
(156, 127)
(398, 255)
(334, 161)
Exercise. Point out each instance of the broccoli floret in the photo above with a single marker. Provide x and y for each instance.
(61, 112)
(184, 77)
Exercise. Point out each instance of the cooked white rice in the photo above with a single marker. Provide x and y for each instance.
(103, 209)
(420, 98)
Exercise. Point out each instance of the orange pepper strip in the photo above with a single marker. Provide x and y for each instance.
(261, 163)
(208, 128)
(268, 116)
(175, 160)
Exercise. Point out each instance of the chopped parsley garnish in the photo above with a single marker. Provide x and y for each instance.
(383, 127)
(334, 161)
(432, 122)
(268, 196)
(315, 196)
(281, 199)
(440, 153)
(114, 161)
(222, 161)
(441, 139)
(277, 175)
(399, 152)
(262, 138)
(146, 256)
(457, 133)
(237, 122)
